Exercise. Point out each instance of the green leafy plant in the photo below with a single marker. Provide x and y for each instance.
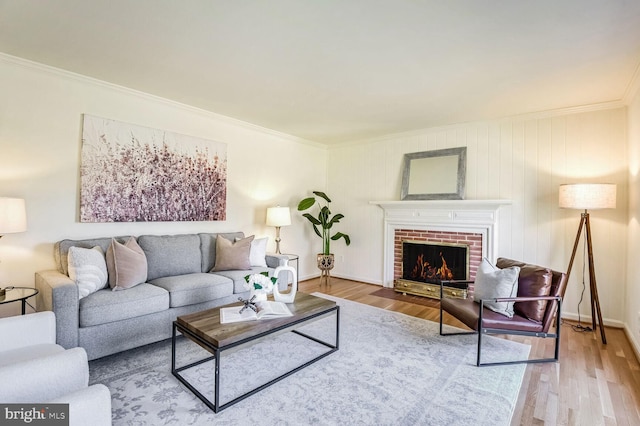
(323, 222)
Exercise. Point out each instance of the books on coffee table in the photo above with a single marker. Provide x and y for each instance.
(266, 309)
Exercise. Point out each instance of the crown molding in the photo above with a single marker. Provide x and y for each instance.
(633, 88)
(69, 75)
(538, 115)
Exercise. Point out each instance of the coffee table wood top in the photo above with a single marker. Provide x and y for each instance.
(206, 324)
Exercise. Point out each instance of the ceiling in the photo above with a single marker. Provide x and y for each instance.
(331, 71)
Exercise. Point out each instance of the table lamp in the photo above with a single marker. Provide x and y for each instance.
(278, 216)
(588, 196)
(13, 219)
(13, 216)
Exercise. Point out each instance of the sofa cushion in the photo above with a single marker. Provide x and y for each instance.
(533, 281)
(194, 288)
(170, 255)
(127, 264)
(61, 249)
(88, 268)
(231, 255)
(106, 306)
(208, 247)
(239, 283)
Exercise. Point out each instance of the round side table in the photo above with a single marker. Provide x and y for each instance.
(14, 294)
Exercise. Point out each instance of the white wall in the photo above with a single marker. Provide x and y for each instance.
(521, 159)
(632, 291)
(40, 138)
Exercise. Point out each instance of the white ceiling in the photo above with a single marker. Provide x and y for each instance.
(339, 70)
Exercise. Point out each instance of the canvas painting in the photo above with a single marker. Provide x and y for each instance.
(132, 173)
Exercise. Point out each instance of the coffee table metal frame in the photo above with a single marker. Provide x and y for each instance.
(215, 405)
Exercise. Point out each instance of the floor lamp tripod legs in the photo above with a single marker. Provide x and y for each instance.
(595, 300)
(593, 288)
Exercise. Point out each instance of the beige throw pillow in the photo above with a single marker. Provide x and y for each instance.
(232, 256)
(87, 267)
(127, 264)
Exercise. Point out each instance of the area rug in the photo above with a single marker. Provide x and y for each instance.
(391, 369)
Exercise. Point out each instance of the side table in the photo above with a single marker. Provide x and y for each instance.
(14, 294)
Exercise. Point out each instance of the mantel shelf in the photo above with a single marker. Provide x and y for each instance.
(441, 204)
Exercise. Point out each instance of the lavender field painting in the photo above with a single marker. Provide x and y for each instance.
(132, 173)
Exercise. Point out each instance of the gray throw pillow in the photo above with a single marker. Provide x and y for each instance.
(127, 264)
(492, 282)
(88, 268)
(232, 256)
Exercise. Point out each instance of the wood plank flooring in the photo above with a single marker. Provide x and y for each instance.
(593, 384)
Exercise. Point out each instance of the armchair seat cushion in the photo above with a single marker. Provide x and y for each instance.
(105, 306)
(468, 312)
(194, 288)
(27, 353)
(46, 378)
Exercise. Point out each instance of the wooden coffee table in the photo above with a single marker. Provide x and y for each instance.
(204, 328)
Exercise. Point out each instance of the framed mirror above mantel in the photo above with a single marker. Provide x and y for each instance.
(434, 175)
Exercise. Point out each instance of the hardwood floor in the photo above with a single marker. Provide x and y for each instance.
(593, 384)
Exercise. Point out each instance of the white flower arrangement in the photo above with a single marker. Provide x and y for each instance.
(260, 282)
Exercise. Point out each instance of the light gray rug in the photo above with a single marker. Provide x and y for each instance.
(391, 369)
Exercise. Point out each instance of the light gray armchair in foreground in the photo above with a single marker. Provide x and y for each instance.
(34, 369)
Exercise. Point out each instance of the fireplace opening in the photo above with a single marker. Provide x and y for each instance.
(425, 264)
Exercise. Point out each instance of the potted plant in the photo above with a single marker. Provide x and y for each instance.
(322, 224)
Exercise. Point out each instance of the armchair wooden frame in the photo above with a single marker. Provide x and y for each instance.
(473, 315)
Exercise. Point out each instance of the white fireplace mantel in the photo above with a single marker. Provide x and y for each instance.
(473, 216)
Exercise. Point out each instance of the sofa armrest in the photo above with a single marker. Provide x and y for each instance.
(58, 293)
(27, 330)
(90, 406)
(43, 379)
(274, 260)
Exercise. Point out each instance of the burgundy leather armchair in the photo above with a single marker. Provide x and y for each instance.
(539, 302)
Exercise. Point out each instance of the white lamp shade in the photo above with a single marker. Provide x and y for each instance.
(13, 215)
(588, 196)
(278, 216)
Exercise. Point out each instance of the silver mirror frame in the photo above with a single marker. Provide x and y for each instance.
(461, 153)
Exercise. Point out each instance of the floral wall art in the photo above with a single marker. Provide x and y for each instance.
(132, 173)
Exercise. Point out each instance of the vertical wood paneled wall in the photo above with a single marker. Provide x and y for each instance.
(521, 159)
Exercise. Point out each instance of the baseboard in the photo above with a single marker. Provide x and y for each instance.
(635, 345)
(341, 276)
(587, 319)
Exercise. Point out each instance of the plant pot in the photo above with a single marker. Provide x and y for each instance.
(326, 261)
(325, 264)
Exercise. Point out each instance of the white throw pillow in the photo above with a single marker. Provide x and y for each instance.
(492, 282)
(258, 251)
(88, 268)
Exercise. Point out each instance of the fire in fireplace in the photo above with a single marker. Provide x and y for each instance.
(429, 262)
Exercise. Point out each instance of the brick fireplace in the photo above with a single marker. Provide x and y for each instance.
(470, 240)
(470, 222)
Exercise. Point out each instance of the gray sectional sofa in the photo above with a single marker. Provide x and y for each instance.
(178, 283)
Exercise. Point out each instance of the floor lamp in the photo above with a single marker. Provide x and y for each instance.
(588, 196)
